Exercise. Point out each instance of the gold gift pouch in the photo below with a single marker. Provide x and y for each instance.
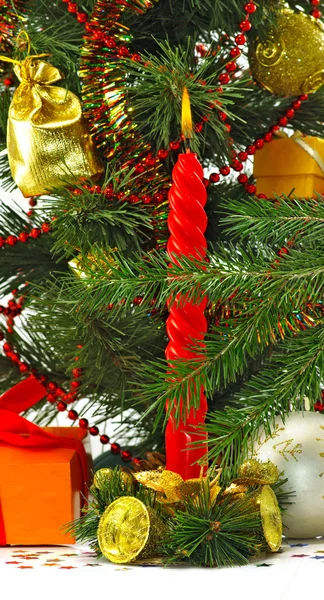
(287, 164)
(48, 143)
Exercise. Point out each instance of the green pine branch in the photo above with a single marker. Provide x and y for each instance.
(114, 347)
(293, 373)
(275, 222)
(155, 88)
(223, 534)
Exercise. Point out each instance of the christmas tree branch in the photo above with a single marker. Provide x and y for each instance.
(285, 220)
(293, 373)
(163, 76)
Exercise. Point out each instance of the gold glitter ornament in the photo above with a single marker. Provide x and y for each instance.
(290, 61)
(104, 475)
(254, 472)
(85, 267)
(48, 143)
(101, 476)
(129, 530)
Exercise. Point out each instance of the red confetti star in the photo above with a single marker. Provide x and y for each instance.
(68, 567)
(299, 555)
(12, 562)
(25, 567)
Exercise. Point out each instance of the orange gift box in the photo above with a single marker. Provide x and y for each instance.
(42, 487)
(288, 166)
(40, 491)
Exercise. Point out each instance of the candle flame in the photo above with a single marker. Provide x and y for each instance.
(186, 119)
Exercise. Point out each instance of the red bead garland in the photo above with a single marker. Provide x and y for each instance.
(257, 145)
(315, 12)
(55, 394)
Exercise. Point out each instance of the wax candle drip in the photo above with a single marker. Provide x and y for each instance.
(186, 324)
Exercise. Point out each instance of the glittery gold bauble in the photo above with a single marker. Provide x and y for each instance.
(290, 61)
(103, 475)
(129, 530)
(85, 267)
(253, 472)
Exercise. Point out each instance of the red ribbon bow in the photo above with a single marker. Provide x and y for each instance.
(18, 431)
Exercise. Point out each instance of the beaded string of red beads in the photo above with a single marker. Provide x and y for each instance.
(55, 394)
(315, 8)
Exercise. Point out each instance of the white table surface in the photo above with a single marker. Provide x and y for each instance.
(74, 572)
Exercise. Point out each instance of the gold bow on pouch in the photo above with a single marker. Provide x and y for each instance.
(48, 143)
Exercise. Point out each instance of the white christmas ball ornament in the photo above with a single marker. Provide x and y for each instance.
(296, 447)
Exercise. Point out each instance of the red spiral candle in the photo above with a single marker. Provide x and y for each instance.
(186, 324)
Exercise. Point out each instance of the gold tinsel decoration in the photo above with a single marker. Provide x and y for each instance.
(107, 106)
(290, 61)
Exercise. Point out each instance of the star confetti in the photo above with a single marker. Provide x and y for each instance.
(264, 565)
(50, 565)
(298, 545)
(44, 552)
(70, 554)
(299, 555)
(92, 565)
(12, 562)
(318, 557)
(25, 567)
(68, 567)
(54, 560)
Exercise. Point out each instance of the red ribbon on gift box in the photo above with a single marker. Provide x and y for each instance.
(18, 431)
